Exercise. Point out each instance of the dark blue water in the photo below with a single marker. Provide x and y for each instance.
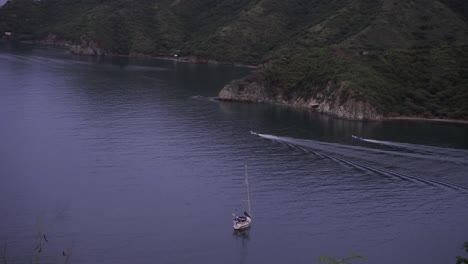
(119, 161)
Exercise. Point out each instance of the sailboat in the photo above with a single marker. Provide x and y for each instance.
(244, 222)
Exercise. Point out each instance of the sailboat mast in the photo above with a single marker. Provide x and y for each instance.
(248, 188)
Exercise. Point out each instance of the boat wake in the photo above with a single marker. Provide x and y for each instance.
(346, 153)
(416, 147)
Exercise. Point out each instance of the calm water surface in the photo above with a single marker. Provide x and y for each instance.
(123, 162)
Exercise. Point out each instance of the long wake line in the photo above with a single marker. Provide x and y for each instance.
(290, 142)
(422, 148)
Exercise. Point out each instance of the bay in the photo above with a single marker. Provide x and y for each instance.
(124, 160)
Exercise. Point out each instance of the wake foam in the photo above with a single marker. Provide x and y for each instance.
(414, 147)
(323, 149)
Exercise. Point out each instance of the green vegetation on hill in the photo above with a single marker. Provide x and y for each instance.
(23, 17)
(426, 82)
(403, 57)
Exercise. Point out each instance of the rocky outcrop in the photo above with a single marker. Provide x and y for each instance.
(245, 90)
(53, 39)
(349, 109)
(84, 46)
(332, 99)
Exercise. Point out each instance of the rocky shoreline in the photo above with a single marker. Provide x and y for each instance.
(382, 118)
(414, 118)
(85, 46)
(253, 92)
(88, 47)
(332, 100)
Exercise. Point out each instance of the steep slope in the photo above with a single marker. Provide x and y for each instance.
(363, 59)
(370, 60)
(430, 82)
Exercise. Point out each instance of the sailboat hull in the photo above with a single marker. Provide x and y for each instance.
(242, 225)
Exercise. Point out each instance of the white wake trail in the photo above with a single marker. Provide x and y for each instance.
(334, 147)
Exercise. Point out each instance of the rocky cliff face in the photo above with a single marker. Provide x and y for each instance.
(85, 46)
(332, 100)
(245, 90)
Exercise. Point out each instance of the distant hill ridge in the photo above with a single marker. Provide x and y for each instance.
(359, 59)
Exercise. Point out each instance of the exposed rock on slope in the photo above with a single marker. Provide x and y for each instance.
(245, 90)
(84, 46)
(334, 101)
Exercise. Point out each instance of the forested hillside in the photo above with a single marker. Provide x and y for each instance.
(401, 57)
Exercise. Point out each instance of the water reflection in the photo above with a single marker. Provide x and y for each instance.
(303, 123)
(242, 234)
(297, 122)
(244, 237)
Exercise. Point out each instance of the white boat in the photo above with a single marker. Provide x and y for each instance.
(243, 222)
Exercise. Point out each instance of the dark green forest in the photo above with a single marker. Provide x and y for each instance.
(406, 58)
